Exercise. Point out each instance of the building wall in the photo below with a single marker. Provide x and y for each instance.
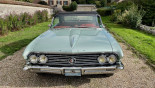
(55, 2)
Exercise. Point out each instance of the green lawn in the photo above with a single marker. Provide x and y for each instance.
(14, 41)
(142, 42)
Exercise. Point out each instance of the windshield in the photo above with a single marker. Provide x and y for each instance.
(76, 21)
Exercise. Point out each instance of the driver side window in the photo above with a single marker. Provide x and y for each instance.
(55, 21)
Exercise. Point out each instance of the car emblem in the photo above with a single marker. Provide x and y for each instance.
(72, 60)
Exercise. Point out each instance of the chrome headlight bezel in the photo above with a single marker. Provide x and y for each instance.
(114, 57)
(33, 59)
(102, 57)
(43, 59)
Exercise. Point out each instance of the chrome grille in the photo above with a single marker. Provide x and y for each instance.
(81, 60)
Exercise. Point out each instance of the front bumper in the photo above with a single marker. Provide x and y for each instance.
(71, 70)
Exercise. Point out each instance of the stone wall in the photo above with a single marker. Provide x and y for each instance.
(147, 29)
(86, 7)
(17, 7)
(6, 9)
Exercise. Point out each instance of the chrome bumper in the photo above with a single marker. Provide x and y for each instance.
(82, 70)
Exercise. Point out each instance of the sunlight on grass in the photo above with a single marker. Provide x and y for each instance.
(142, 42)
(14, 41)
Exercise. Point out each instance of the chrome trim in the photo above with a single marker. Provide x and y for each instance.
(73, 53)
(84, 70)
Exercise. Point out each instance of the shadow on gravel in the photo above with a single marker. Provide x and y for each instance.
(48, 80)
(51, 80)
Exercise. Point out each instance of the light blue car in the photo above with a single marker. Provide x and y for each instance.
(76, 44)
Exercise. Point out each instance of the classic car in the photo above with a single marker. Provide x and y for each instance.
(76, 44)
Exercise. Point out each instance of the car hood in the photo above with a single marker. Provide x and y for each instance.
(75, 40)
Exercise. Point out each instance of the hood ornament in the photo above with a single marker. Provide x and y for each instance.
(72, 60)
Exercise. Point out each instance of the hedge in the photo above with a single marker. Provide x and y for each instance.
(14, 22)
(105, 11)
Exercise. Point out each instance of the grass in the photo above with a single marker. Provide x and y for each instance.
(14, 41)
(141, 41)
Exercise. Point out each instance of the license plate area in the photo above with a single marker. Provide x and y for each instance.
(72, 72)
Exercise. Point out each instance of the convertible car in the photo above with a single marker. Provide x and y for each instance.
(76, 44)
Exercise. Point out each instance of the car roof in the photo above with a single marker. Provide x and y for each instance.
(78, 12)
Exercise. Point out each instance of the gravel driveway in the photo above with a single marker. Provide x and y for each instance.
(135, 75)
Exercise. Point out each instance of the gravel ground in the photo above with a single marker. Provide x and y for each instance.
(135, 75)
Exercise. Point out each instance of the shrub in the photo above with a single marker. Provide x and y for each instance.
(71, 7)
(98, 4)
(82, 1)
(115, 15)
(123, 5)
(23, 19)
(25, 0)
(3, 29)
(131, 17)
(103, 3)
(66, 8)
(42, 3)
(149, 7)
(39, 16)
(15, 22)
(105, 11)
(90, 1)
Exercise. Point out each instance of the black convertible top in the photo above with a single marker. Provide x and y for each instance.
(79, 12)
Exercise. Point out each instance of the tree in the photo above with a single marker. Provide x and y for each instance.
(103, 3)
(90, 1)
(82, 1)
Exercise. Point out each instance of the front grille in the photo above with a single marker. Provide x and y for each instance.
(81, 60)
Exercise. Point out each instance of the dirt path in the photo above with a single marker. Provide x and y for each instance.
(135, 75)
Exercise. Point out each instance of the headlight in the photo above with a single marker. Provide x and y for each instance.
(43, 59)
(112, 59)
(102, 59)
(33, 59)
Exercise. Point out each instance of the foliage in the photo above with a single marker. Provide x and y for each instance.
(103, 3)
(105, 11)
(14, 41)
(71, 7)
(149, 7)
(131, 17)
(142, 42)
(14, 22)
(3, 29)
(115, 16)
(123, 5)
(98, 4)
(82, 1)
(26, 0)
(42, 3)
(90, 1)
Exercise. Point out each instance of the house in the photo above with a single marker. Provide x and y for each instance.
(55, 2)
(60, 2)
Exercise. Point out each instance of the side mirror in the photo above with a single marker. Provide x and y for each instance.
(49, 25)
(103, 25)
